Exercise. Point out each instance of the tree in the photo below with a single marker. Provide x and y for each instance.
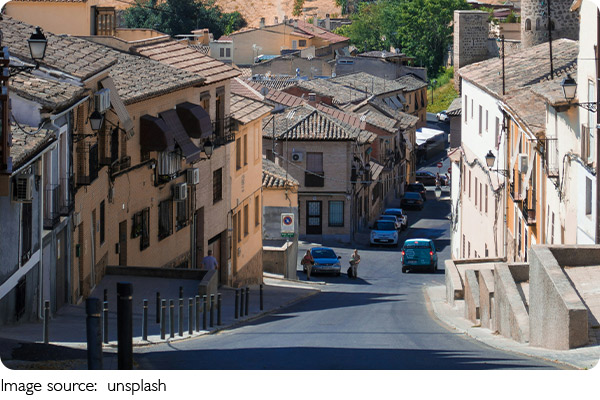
(182, 16)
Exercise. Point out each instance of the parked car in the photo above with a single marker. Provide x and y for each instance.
(419, 254)
(326, 261)
(395, 219)
(384, 232)
(412, 199)
(442, 116)
(428, 178)
(419, 188)
(398, 213)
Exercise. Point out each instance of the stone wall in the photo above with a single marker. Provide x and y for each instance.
(534, 21)
(251, 273)
(510, 315)
(486, 298)
(470, 39)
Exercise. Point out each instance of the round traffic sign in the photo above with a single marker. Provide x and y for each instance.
(439, 165)
(449, 170)
(287, 220)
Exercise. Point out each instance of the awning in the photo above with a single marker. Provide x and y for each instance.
(155, 135)
(118, 106)
(195, 120)
(190, 151)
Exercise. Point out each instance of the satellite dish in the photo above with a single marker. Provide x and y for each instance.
(264, 90)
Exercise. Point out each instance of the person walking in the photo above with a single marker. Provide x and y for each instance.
(307, 262)
(209, 262)
(354, 261)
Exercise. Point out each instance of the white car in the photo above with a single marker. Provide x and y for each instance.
(384, 232)
(399, 214)
(442, 116)
(395, 219)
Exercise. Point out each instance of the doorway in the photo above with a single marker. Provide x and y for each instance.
(123, 243)
(313, 218)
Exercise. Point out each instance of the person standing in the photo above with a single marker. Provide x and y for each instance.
(209, 262)
(307, 262)
(354, 261)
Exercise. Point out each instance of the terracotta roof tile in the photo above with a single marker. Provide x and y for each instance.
(370, 83)
(27, 142)
(411, 82)
(245, 110)
(339, 93)
(274, 176)
(51, 94)
(320, 32)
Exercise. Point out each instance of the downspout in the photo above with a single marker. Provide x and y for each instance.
(505, 191)
(41, 230)
(597, 122)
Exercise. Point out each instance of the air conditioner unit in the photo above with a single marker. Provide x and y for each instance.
(297, 157)
(180, 191)
(24, 188)
(522, 161)
(193, 176)
(76, 219)
(102, 100)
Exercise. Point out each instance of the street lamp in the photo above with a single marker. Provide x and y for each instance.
(490, 159)
(37, 45)
(96, 120)
(569, 87)
(208, 148)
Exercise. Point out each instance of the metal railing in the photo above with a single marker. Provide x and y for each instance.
(51, 206)
(529, 212)
(312, 180)
(551, 156)
(66, 198)
(87, 163)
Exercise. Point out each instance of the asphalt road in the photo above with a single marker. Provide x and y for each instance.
(379, 321)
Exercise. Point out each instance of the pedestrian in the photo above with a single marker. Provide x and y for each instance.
(354, 261)
(209, 262)
(307, 262)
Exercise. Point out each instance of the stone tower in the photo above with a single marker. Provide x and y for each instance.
(534, 21)
(470, 39)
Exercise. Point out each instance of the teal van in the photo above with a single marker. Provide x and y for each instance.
(419, 254)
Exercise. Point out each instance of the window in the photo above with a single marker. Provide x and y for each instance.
(102, 222)
(486, 200)
(466, 107)
(486, 119)
(588, 196)
(168, 164)
(469, 184)
(552, 230)
(256, 211)
(468, 249)
(165, 219)
(26, 232)
(472, 108)
(205, 101)
(336, 213)
(463, 247)
(480, 196)
(314, 166)
(246, 220)
(497, 137)
(528, 24)
(228, 52)
(486, 251)
(302, 43)
(464, 178)
(591, 124)
(475, 192)
(238, 153)
(217, 185)
(239, 226)
(222, 52)
(245, 149)
(182, 214)
(480, 119)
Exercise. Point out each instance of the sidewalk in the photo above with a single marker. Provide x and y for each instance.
(580, 358)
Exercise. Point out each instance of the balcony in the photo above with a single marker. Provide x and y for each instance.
(51, 206)
(66, 198)
(87, 163)
(551, 157)
(516, 195)
(222, 128)
(529, 212)
(312, 180)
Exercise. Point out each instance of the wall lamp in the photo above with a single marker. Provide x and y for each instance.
(569, 87)
(490, 159)
(208, 148)
(37, 48)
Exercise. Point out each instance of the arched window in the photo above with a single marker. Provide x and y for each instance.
(537, 24)
(527, 24)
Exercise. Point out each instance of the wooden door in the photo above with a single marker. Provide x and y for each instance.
(313, 218)
(123, 243)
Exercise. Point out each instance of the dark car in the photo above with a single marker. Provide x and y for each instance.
(418, 188)
(419, 254)
(412, 199)
(325, 261)
(428, 178)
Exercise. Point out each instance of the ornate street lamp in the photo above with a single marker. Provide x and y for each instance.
(37, 45)
(490, 159)
(96, 120)
(208, 148)
(569, 87)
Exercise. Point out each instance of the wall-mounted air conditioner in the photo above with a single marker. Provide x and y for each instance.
(76, 219)
(24, 188)
(297, 156)
(180, 191)
(193, 176)
(522, 163)
(102, 100)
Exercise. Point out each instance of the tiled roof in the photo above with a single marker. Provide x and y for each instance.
(279, 82)
(455, 108)
(379, 120)
(202, 48)
(411, 82)
(187, 58)
(381, 54)
(325, 87)
(370, 83)
(346, 118)
(27, 142)
(406, 120)
(247, 110)
(77, 57)
(320, 32)
(277, 96)
(241, 87)
(524, 68)
(274, 176)
(529, 109)
(374, 118)
(52, 1)
(51, 94)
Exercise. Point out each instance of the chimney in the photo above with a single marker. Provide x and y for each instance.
(262, 23)
(312, 98)
(284, 18)
(275, 20)
(327, 22)
(316, 19)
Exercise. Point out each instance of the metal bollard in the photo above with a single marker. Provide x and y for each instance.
(145, 321)
(218, 308)
(93, 333)
(171, 319)
(105, 294)
(190, 316)
(241, 302)
(237, 300)
(125, 325)
(204, 312)
(261, 297)
(163, 322)
(180, 315)
(212, 308)
(197, 298)
(46, 321)
(158, 307)
(105, 322)
(181, 292)
(247, 299)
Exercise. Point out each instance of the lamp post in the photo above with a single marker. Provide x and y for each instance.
(569, 87)
(490, 159)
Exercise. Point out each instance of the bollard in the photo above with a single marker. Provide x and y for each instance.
(145, 321)
(212, 307)
(261, 297)
(163, 322)
(190, 316)
(218, 308)
(93, 333)
(180, 316)
(105, 322)
(158, 307)
(237, 300)
(204, 312)
(247, 299)
(105, 294)
(124, 325)
(181, 292)
(197, 298)
(241, 302)
(46, 321)
(171, 319)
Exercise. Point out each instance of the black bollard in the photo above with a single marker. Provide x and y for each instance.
(241, 302)
(46, 322)
(237, 301)
(218, 308)
(105, 322)
(105, 294)
(171, 319)
(247, 299)
(190, 316)
(181, 292)
(180, 316)
(212, 308)
(93, 333)
(204, 312)
(261, 297)
(197, 298)
(145, 321)
(124, 325)
(158, 307)
(163, 322)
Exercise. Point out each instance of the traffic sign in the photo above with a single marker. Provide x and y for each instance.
(439, 165)
(450, 170)
(287, 223)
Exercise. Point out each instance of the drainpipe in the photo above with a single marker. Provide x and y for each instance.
(597, 122)
(41, 230)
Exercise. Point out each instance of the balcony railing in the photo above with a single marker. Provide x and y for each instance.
(529, 212)
(551, 156)
(312, 180)
(222, 128)
(51, 206)
(66, 198)
(516, 195)
(87, 163)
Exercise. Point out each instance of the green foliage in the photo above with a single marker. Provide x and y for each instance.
(420, 28)
(310, 20)
(182, 16)
(490, 11)
(298, 6)
(512, 17)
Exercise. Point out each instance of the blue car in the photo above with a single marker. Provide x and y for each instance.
(326, 261)
(419, 254)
